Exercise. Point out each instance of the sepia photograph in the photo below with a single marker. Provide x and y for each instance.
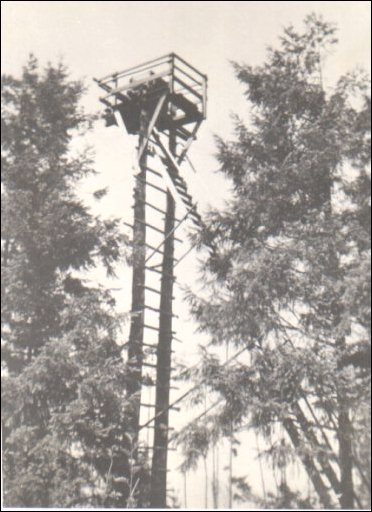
(185, 255)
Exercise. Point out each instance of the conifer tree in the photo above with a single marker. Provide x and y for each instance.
(291, 281)
(64, 414)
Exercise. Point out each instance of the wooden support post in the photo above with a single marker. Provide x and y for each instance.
(147, 83)
(164, 354)
(138, 282)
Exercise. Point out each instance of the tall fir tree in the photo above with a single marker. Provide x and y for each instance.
(291, 281)
(64, 415)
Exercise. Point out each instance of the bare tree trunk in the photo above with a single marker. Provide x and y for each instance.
(135, 343)
(164, 359)
(206, 482)
(344, 434)
(231, 472)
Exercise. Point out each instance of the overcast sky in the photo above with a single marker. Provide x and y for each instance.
(97, 38)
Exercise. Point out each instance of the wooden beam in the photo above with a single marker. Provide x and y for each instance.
(158, 491)
(152, 123)
(136, 83)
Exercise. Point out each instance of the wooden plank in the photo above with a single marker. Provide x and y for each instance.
(156, 310)
(152, 171)
(152, 185)
(152, 269)
(159, 230)
(154, 328)
(154, 207)
(189, 142)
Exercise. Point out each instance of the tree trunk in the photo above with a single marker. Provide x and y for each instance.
(164, 360)
(135, 343)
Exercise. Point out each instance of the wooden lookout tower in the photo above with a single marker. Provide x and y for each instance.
(163, 102)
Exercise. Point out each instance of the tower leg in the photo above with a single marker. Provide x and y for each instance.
(135, 342)
(163, 370)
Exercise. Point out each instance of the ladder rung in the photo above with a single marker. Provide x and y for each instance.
(168, 448)
(148, 345)
(166, 257)
(162, 428)
(152, 365)
(177, 178)
(185, 195)
(154, 207)
(142, 344)
(159, 230)
(153, 406)
(152, 346)
(174, 172)
(187, 201)
(159, 310)
(151, 289)
(162, 387)
(196, 222)
(196, 214)
(179, 182)
(157, 271)
(153, 171)
(157, 329)
(182, 134)
(152, 247)
(182, 188)
(151, 184)
(151, 227)
(196, 218)
(151, 327)
(150, 205)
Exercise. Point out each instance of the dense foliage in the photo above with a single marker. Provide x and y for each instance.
(64, 414)
(291, 281)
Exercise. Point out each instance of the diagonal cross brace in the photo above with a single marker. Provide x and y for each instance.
(167, 154)
(189, 142)
(172, 188)
(152, 123)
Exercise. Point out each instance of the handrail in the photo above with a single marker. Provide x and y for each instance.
(120, 73)
(136, 84)
(190, 66)
(202, 84)
(156, 62)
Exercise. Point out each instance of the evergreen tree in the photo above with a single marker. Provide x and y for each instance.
(64, 415)
(291, 279)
